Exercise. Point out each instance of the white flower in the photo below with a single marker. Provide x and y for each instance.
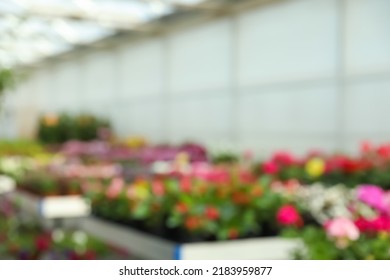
(58, 235)
(80, 237)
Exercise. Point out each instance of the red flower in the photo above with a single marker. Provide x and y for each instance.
(233, 233)
(90, 255)
(270, 167)
(192, 223)
(185, 184)
(289, 216)
(381, 223)
(181, 207)
(212, 213)
(43, 242)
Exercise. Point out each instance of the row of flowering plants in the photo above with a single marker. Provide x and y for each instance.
(211, 204)
(28, 240)
(371, 166)
(350, 223)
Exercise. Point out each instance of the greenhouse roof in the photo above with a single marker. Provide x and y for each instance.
(32, 30)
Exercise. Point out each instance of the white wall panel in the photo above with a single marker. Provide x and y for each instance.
(266, 79)
(200, 118)
(367, 36)
(99, 75)
(367, 108)
(293, 40)
(299, 110)
(199, 58)
(44, 90)
(66, 82)
(141, 68)
(142, 119)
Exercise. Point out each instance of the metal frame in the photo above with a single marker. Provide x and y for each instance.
(112, 25)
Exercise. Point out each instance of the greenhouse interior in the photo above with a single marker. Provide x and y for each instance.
(194, 130)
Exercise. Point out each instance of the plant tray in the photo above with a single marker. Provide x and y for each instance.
(148, 246)
(53, 207)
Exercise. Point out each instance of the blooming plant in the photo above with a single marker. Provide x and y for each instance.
(372, 166)
(360, 229)
(203, 205)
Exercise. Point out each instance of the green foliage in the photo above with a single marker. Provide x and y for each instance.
(318, 246)
(225, 158)
(20, 148)
(55, 129)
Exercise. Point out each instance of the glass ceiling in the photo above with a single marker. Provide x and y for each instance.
(31, 30)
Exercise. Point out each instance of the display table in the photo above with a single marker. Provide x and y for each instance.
(152, 247)
(58, 207)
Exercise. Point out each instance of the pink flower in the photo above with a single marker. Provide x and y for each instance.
(289, 216)
(366, 147)
(158, 188)
(384, 151)
(342, 228)
(270, 167)
(248, 155)
(283, 157)
(115, 188)
(218, 176)
(373, 196)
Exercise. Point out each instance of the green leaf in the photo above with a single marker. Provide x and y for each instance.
(141, 211)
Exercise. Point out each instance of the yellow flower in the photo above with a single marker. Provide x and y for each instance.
(182, 158)
(50, 120)
(383, 235)
(141, 189)
(142, 193)
(315, 167)
(136, 142)
(43, 158)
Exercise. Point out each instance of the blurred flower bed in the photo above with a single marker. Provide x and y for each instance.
(28, 240)
(215, 204)
(338, 204)
(351, 223)
(371, 166)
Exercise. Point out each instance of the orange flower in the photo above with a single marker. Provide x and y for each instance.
(50, 120)
(257, 191)
(233, 233)
(192, 223)
(241, 198)
(181, 207)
